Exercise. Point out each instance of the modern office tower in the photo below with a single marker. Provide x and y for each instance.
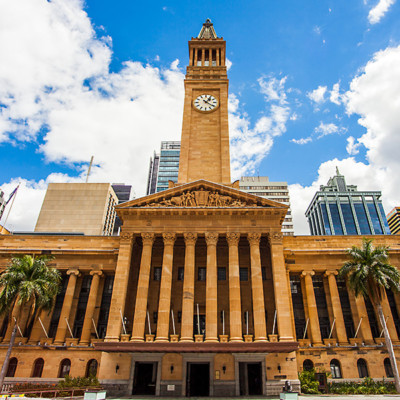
(123, 193)
(393, 219)
(340, 209)
(164, 167)
(277, 191)
(86, 208)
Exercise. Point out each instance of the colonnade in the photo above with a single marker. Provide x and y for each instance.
(358, 309)
(188, 293)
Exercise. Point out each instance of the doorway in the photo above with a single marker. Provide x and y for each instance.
(144, 381)
(250, 379)
(198, 379)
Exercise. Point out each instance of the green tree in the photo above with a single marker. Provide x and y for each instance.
(27, 281)
(369, 274)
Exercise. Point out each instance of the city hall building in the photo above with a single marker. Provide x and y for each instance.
(201, 294)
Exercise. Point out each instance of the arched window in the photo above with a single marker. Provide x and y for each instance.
(91, 368)
(308, 365)
(362, 368)
(38, 368)
(65, 367)
(388, 368)
(12, 366)
(335, 369)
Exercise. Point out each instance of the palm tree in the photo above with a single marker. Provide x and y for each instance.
(27, 281)
(369, 274)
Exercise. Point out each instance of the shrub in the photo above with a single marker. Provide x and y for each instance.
(368, 386)
(308, 382)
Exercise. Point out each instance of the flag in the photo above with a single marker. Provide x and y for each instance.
(12, 194)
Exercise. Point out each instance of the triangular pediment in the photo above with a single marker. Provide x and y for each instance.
(201, 194)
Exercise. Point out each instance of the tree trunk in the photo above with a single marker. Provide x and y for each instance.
(389, 347)
(7, 359)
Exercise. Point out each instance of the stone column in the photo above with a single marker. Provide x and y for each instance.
(66, 308)
(337, 308)
(164, 303)
(37, 331)
(365, 328)
(235, 305)
(257, 290)
(312, 308)
(281, 285)
(121, 279)
(211, 288)
(188, 288)
(139, 319)
(203, 57)
(91, 305)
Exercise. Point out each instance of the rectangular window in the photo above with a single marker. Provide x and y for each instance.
(221, 273)
(348, 219)
(322, 307)
(375, 219)
(181, 273)
(298, 307)
(201, 274)
(105, 306)
(346, 308)
(326, 220)
(244, 274)
(362, 219)
(157, 274)
(383, 215)
(337, 225)
(264, 273)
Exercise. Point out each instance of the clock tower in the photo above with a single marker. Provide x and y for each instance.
(205, 135)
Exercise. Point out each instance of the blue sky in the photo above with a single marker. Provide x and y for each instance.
(313, 85)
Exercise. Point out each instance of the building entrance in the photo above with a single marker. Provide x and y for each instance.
(144, 381)
(198, 379)
(250, 379)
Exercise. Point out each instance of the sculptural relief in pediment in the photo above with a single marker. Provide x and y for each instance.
(201, 198)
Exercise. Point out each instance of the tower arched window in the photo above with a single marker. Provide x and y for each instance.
(65, 367)
(335, 369)
(362, 368)
(388, 368)
(91, 368)
(12, 366)
(38, 368)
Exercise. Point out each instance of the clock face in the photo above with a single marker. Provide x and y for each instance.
(205, 102)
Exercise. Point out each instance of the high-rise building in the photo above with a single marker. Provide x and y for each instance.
(123, 193)
(164, 167)
(78, 208)
(393, 219)
(277, 191)
(340, 209)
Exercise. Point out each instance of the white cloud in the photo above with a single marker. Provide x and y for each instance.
(335, 96)
(352, 146)
(379, 10)
(328, 129)
(317, 95)
(249, 146)
(374, 95)
(228, 64)
(302, 140)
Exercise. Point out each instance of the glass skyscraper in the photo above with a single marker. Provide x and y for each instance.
(164, 167)
(340, 209)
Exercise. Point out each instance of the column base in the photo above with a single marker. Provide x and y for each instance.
(84, 343)
(286, 339)
(111, 339)
(161, 339)
(137, 339)
(57, 342)
(187, 339)
(260, 339)
(211, 340)
(344, 343)
(236, 339)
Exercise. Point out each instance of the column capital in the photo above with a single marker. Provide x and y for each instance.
(254, 238)
(126, 236)
(233, 238)
(275, 238)
(169, 238)
(96, 272)
(148, 238)
(73, 271)
(305, 273)
(211, 238)
(190, 238)
(327, 273)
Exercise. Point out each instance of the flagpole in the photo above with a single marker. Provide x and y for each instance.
(14, 196)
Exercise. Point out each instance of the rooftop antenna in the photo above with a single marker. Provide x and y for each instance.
(90, 167)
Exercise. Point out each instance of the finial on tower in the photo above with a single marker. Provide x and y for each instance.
(337, 171)
(207, 31)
